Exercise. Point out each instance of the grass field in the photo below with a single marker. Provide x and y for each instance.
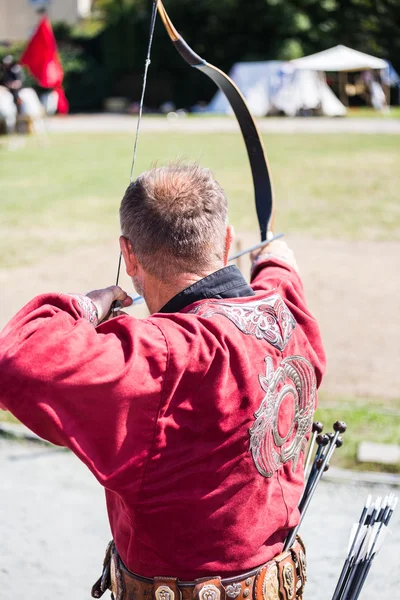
(366, 421)
(371, 113)
(357, 112)
(69, 190)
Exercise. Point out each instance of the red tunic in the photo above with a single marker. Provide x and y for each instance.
(195, 422)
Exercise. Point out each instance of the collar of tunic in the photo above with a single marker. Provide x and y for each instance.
(224, 283)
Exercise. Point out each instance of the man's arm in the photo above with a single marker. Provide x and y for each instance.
(273, 265)
(274, 270)
(78, 385)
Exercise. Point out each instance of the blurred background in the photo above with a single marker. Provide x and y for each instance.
(102, 44)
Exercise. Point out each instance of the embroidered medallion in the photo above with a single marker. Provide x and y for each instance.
(233, 590)
(209, 592)
(163, 592)
(294, 380)
(268, 319)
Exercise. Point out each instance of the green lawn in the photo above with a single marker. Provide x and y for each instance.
(370, 113)
(370, 420)
(328, 186)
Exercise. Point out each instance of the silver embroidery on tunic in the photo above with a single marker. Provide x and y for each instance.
(268, 319)
(294, 378)
(89, 310)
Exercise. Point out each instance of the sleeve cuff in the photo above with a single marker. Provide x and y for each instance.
(268, 257)
(87, 307)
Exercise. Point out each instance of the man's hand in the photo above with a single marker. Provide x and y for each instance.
(103, 300)
(276, 249)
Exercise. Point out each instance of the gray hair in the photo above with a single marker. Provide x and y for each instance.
(175, 218)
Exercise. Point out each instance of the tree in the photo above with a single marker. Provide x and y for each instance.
(223, 32)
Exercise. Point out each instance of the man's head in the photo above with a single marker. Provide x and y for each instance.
(174, 223)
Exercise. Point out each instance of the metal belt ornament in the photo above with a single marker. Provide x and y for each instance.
(164, 592)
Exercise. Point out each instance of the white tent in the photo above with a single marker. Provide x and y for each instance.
(339, 58)
(258, 82)
(308, 90)
(273, 86)
(345, 60)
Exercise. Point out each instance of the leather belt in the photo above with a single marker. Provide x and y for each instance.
(281, 578)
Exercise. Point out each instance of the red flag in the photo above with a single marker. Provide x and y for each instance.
(41, 58)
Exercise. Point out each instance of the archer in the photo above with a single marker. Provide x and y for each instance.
(195, 419)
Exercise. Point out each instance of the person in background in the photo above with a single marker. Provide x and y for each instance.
(12, 77)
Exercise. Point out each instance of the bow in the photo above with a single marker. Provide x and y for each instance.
(263, 192)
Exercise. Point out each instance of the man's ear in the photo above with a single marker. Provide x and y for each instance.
(229, 237)
(131, 263)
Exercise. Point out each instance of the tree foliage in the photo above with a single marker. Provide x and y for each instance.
(224, 32)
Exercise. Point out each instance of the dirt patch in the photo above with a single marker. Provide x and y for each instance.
(353, 289)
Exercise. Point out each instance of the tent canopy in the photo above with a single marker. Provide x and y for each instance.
(339, 58)
(257, 80)
(273, 86)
